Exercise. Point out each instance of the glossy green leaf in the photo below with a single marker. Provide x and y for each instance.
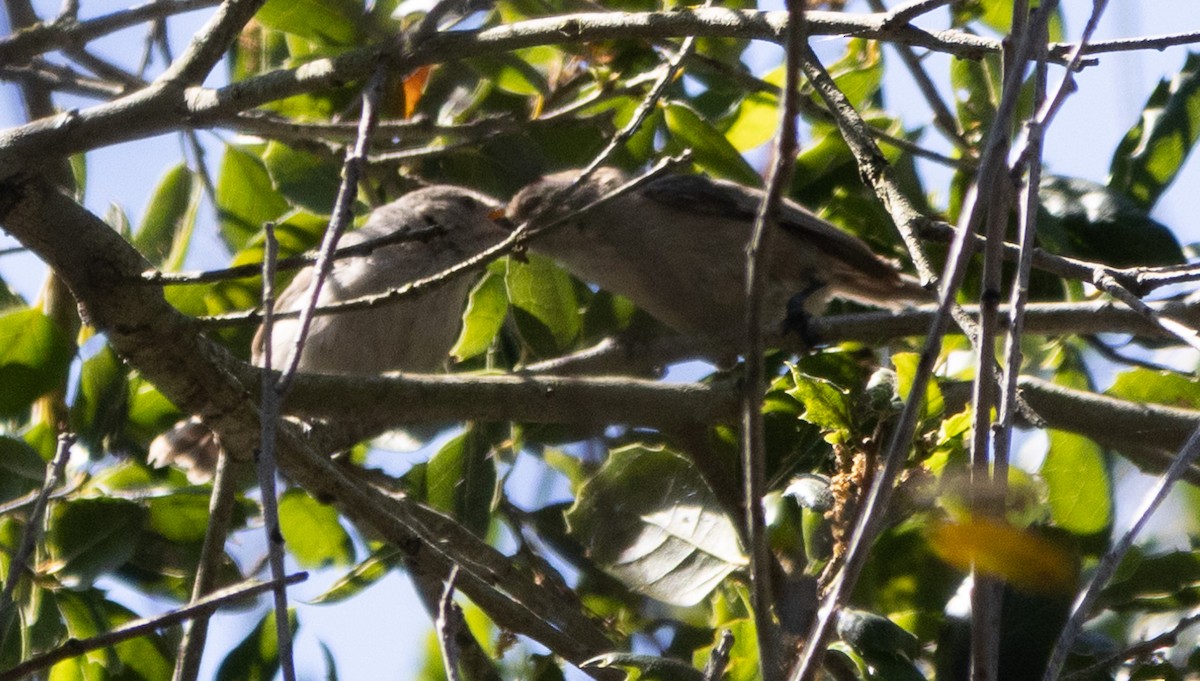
(487, 307)
(743, 657)
(461, 480)
(256, 657)
(1087, 220)
(150, 413)
(998, 14)
(329, 22)
(246, 198)
(312, 532)
(825, 406)
(305, 179)
(89, 537)
(545, 305)
(711, 151)
(1077, 478)
(167, 223)
(34, 358)
(1154, 150)
(648, 519)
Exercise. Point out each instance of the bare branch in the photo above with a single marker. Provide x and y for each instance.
(142, 627)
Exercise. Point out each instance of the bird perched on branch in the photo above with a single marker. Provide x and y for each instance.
(676, 247)
(425, 232)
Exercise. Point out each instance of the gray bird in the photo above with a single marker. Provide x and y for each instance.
(676, 248)
(448, 224)
(414, 334)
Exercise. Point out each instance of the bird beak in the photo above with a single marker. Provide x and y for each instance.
(499, 217)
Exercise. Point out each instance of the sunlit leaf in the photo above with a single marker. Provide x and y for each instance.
(307, 180)
(648, 519)
(331, 22)
(167, 223)
(34, 357)
(487, 307)
(368, 572)
(246, 198)
(544, 304)
(712, 152)
(1154, 150)
(1156, 387)
(312, 532)
(1076, 475)
(461, 480)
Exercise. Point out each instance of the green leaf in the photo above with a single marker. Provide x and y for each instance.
(256, 658)
(1159, 582)
(645, 667)
(743, 657)
(487, 307)
(21, 469)
(304, 179)
(150, 412)
(181, 517)
(312, 532)
(1077, 478)
(100, 405)
(89, 537)
(976, 86)
(246, 198)
(1087, 220)
(374, 568)
(906, 371)
(330, 22)
(167, 223)
(1153, 151)
(1156, 387)
(34, 358)
(545, 305)
(461, 480)
(648, 519)
(825, 405)
(859, 73)
(712, 152)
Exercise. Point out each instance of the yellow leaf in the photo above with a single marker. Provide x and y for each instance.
(1021, 558)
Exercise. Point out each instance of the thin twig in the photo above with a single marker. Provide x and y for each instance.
(18, 566)
(352, 169)
(718, 659)
(254, 269)
(265, 463)
(446, 629)
(141, 627)
(753, 446)
(212, 552)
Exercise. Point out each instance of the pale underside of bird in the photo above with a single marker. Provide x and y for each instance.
(448, 225)
(676, 247)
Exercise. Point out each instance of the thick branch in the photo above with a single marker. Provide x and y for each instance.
(195, 374)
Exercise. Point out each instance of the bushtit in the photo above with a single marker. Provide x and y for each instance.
(676, 247)
(414, 334)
